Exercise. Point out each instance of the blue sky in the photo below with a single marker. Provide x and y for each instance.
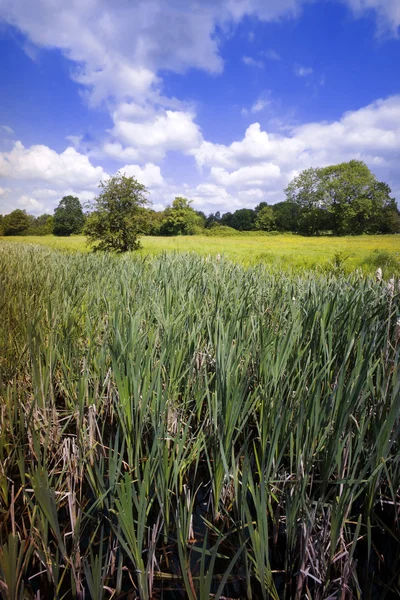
(223, 101)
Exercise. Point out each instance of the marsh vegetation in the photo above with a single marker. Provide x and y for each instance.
(179, 426)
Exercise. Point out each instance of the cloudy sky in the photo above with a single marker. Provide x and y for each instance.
(222, 101)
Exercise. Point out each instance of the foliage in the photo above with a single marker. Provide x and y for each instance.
(42, 225)
(16, 223)
(180, 218)
(242, 219)
(221, 231)
(68, 217)
(185, 423)
(345, 198)
(265, 220)
(118, 215)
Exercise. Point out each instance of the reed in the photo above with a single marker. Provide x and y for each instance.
(183, 427)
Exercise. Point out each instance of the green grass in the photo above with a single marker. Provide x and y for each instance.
(183, 427)
(282, 251)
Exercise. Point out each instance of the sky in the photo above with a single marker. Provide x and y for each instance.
(220, 101)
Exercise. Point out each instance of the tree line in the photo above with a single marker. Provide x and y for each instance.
(340, 199)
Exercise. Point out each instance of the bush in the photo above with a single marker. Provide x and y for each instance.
(221, 231)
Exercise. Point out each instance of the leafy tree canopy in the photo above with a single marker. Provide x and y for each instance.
(181, 218)
(16, 223)
(345, 198)
(68, 217)
(265, 220)
(118, 216)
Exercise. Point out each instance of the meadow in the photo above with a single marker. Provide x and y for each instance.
(284, 252)
(179, 426)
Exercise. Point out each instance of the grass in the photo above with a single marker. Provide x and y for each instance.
(285, 252)
(182, 427)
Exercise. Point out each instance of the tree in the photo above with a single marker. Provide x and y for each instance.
(353, 197)
(212, 220)
(118, 216)
(16, 223)
(286, 216)
(181, 218)
(265, 220)
(345, 198)
(305, 191)
(68, 217)
(243, 219)
(390, 218)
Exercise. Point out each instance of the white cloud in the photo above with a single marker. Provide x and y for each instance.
(301, 71)
(31, 205)
(153, 137)
(249, 176)
(42, 163)
(387, 12)
(252, 62)
(269, 161)
(149, 175)
(260, 104)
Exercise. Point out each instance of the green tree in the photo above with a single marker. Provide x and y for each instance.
(286, 216)
(243, 219)
(345, 198)
(354, 197)
(118, 215)
(390, 218)
(42, 225)
(16, 223)
(305, 191)
(265, 220)
(181, 218)
(1, 225)
(68, 217)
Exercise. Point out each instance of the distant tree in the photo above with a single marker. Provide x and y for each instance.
(345, 198)
(180, 218)
(353, 196)
(212, 220)
(243, 219)
(226, 219)
(390, 218)
(305, 191)
(260, 207)
(1, 225)
(286, 216)
(265, 220)
(16, 223)
(68, 217)
(118, 215)
(42, 225)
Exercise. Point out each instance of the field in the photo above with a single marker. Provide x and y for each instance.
(184, 427)
(284, 252)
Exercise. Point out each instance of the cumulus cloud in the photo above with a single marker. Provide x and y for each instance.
(42, 163)
(37, 177)
(250, 176)
(149, 175)
(267, 161)
(154, 136)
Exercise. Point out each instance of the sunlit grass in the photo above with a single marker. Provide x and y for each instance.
(283, 251)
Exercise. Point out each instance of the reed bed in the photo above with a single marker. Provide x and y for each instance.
(182, 427)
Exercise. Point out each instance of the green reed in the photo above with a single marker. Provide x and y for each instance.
(180, 426)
